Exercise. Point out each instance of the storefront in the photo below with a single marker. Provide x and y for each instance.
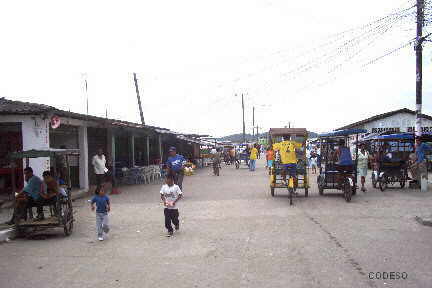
(402, 120)
(10, 141)
(25, 126)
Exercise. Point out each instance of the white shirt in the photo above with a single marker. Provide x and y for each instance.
(99, 164)
(171, 194)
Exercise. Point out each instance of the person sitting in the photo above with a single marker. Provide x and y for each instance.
(51, 190)
(29, 197)
(343, 156)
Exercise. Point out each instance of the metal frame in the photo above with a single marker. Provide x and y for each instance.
(326, 140)
(275, 171)
(67, 224)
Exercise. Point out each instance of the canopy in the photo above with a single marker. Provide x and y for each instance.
(342, 133)
(51, 152)
(400, 136)
(288, 131)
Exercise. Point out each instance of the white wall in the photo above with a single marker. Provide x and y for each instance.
(35, 134)
(401, 121)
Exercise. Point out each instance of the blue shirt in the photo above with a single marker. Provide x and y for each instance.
(102, 203)
(420, 152)
(175, 163)
(33, 187)
(345, 158)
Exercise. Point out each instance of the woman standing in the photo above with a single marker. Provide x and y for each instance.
(362, 165)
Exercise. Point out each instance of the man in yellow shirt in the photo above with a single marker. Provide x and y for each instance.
(253, 156)
(288, 157)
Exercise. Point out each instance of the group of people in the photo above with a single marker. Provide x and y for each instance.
(36, 193)
(170, 193)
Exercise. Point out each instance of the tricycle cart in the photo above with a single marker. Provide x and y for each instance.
(297, 136)
(332, 175)
(391, 158)
(241, 156)
(61, 212)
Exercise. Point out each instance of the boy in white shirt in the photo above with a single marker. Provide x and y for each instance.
(170, 194)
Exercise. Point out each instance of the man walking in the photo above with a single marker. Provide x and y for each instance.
(253, 157)
(99, 165)
(175, 164)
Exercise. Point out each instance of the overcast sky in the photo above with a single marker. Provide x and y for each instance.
(193, 56)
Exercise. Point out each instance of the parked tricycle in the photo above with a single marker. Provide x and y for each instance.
(61, 210)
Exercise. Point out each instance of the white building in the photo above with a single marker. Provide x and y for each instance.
(402, 120)
(26, 126)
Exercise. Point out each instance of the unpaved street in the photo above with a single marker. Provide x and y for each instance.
(233, 234)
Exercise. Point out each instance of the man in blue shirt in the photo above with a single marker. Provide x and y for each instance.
(419, 167)
(28, 197)
(175, 164)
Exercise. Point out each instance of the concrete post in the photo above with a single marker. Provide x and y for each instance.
(111, 151)
(423, 177)
(132, 150)
(148, 150)
(160, 148)
(83, 158)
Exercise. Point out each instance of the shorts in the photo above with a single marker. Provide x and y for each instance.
(362, 171)
(270, 163)
(291, 169)
(313, 162)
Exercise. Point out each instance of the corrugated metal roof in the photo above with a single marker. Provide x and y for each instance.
(10, 107)
(287, 131)
(22, 108)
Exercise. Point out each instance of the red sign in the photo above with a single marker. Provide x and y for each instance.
(55, 121)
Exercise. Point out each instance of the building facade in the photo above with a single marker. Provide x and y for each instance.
(25, 126)
(398, 121)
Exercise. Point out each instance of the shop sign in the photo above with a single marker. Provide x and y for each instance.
(386, 129)
(424, 129)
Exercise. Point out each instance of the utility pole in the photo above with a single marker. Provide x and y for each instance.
(87, 100)
(139, 99)
(244, 131)
(253, 122)
(419, 59)
(257, 133)
(419, 76)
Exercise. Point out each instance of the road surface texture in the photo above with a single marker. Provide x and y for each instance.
(234, 234)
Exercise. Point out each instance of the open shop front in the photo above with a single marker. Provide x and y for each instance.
(189, 148)
(10, 141)
(136, 153)
(66, 137)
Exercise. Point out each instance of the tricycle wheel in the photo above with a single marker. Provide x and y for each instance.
(374, 181)
(291, 193)
(237, 164)
(68, 227)
(272, 191)
(383, 184)
(320, 186)
(402, 184)
(320, 190)
(347, 192)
